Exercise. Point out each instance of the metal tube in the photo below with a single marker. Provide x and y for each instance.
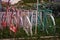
(36, 18)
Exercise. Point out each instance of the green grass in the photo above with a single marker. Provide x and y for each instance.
(21, 33)
(57, 25)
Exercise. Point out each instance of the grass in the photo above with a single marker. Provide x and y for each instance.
(57, 25)
(21, 33)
